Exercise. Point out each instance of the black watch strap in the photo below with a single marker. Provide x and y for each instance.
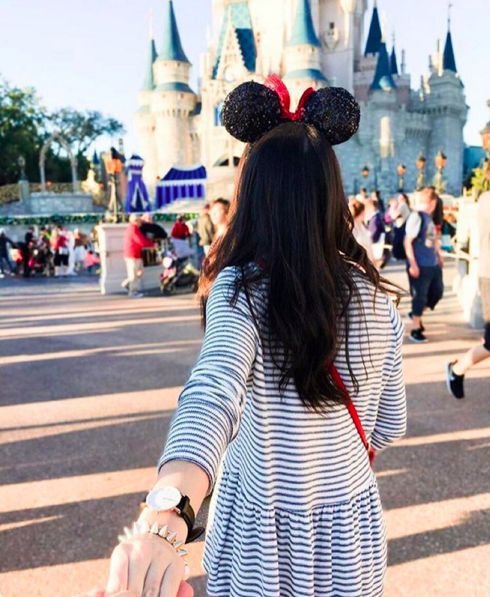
(186, 512)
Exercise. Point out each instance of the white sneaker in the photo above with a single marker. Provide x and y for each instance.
(136, 295)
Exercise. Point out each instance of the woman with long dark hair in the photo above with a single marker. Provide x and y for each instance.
(298, 380)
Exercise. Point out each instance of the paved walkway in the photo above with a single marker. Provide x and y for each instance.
(88, 386)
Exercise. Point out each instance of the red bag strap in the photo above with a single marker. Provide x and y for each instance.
(350, 406)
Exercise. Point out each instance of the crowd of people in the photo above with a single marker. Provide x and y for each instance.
(190, 242)
(408, 233)
(54, 251)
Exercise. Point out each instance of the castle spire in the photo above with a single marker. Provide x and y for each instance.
(393, 60)
(448, 60)
(303, 32)
(172, 46)
(383, 78)
(375, 36)
(149, 83)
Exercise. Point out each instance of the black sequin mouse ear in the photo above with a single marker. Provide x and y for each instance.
(250, 111)
(334, 111)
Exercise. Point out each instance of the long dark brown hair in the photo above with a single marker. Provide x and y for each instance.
(290, 215)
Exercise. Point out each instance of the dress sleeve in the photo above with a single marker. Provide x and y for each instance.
(391, 419)
(210, 406)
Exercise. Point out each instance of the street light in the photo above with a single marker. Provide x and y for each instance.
(420, 163)
(440, 162)
(22, 165)
(401, 170)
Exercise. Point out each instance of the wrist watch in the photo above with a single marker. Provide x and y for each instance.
(165, 499)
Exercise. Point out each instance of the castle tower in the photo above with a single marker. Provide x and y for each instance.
(233, 61)
(446, 106)
(366, 64)
(341, 34)
(302, 55)
(145, 121)
(173, 101)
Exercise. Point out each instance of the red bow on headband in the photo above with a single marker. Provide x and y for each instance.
(275, 83)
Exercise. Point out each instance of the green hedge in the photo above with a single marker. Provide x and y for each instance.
(92, 218)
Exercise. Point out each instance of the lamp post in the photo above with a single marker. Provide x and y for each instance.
(22, 165)
(401, 170)
(420, 163)
(440, 162)
(365, 175)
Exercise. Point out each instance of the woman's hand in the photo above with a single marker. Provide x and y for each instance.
(414, 270)
(147, 564)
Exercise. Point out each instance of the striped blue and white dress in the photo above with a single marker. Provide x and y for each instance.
(296, 511)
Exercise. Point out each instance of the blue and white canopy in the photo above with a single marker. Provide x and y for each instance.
(181, 184)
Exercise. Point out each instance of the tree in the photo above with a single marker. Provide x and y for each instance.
(25, 125)
(21, 122)
(81, 129)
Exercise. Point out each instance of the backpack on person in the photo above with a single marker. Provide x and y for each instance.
(398, 246)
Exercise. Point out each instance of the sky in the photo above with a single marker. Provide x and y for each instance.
(93, 54)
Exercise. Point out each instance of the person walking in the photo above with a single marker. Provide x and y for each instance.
(376, 227)
(61, 252)
(424, 262)
(205, 230)
(266, 418)
(360, 232)
(4, 254)
(134, 242)
(456, 370)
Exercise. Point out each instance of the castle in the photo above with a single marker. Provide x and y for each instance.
(308, 43)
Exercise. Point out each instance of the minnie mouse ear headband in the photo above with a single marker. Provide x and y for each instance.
(253, 109)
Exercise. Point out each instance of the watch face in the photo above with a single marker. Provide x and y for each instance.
(166, 498)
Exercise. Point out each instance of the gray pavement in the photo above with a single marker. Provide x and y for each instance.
(88, 385)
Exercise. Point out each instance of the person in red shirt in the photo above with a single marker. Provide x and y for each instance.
(134, 242)
(180, 230)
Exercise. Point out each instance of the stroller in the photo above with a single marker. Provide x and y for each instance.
(178, 273)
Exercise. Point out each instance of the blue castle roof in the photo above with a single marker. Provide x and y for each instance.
(393, 62)
(448, 60)
(303, 32)
(383, 79)
(172, 46)
(375, 35)
(239, 15)
(149, 82)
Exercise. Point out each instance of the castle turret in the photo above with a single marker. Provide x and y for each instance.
(446, 106)
(302, 58)
(375, 35)
(383, 78)
(393, 62)
(341, 33)
(236, 54)
(448, 60)
(145, 120)
(173, 101)
(367, 64)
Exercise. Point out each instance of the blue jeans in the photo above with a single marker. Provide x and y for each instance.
(426, 290)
